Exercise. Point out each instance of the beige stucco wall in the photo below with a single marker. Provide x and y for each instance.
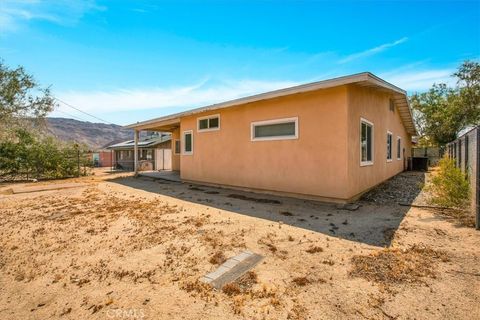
(373, 105)
(314, 164)
(324, 161)
(175, 157)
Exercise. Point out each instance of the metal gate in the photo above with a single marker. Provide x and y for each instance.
(163, 159)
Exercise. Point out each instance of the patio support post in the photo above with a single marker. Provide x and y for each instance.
(135, 152)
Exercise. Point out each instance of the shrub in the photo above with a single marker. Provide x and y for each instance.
(450, 185)
(27, 155)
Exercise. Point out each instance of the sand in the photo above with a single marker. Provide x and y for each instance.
(134, 248)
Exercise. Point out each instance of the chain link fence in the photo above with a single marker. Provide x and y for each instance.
(466, 152)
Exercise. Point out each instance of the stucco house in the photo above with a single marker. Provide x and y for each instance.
(329, 140)
(153, 153)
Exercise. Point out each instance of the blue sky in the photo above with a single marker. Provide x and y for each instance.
(127, 61)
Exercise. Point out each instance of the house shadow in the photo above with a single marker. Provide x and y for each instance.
(375, 222)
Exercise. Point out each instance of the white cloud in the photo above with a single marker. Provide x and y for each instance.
(14, 14)
(372, 51)
(420, 80)
(196, 95)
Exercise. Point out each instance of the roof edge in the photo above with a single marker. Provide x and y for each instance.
(322, 84)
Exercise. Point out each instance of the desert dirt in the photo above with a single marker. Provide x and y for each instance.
(119, 247)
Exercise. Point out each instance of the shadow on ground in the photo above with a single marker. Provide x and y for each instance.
(374, 223)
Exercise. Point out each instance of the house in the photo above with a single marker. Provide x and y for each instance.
(101, 158)
(154, 153)
(330, 140)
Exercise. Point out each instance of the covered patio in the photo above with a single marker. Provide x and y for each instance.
(169, 124)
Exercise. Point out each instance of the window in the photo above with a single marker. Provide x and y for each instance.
(399, 148)
(366, 142)
(188, 142)
(209, 123)
(279, 129)
(145, 154)
(392, 105)
(389, 146)
(177, 146)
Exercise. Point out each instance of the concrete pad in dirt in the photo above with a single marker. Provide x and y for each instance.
(232, 269)
(48, 187)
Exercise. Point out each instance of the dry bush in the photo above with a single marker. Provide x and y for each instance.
(450, 185)
(391, 266)
(242, 285)
(328, 262)
(196, 286)
(301, 281)
(217, 258)
(231, 289)
(247, 281)
(314, 249)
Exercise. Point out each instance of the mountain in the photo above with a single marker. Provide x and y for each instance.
(94, 135)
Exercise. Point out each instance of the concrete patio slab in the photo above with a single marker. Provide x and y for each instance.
(173, 176)
(232, 269)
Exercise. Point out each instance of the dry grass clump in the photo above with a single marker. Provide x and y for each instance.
(391, 266)
(314, 249)
(462, 217)
(231, 289)
(301, 281)
(242, 285)
(217, 258)
(196, 287)
(247, 281)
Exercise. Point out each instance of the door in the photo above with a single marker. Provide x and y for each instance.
(158, 159)
(163, 159)
(167, 159)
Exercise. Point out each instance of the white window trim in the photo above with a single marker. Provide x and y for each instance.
(391, 147)
(208, 117)
(183, 144)
(175, 147)
(274, 121)
(399, 138)
(367, 163)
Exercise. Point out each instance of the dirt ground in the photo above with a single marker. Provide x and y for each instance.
(134, 248)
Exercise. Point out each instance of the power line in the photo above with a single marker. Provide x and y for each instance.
(88, 114)
(71, 115)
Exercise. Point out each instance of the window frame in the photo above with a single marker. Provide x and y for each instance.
(183, 145)
(368, 162)
(273, 121)
(175, 146)
(389, 133)
(211, 116)
(399, 148)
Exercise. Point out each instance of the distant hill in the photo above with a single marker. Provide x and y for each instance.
(94, 135)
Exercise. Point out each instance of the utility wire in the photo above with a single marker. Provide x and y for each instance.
(71, 115)
(88, 114)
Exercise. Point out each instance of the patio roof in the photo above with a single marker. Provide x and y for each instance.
(129, 144)
(367, 79)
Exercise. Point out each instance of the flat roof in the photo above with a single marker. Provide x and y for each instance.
(364, 78)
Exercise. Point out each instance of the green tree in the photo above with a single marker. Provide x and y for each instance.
(25, 150)
(21, 99)
(442, 112)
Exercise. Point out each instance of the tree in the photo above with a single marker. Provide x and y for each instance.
(442, 112)
(21, 99)
(25, 150)
(467, 102)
